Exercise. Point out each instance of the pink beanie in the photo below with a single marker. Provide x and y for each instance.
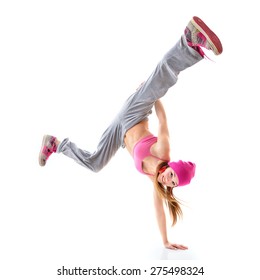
(184, 170)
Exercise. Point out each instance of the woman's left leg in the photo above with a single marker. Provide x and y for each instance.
(108, 145)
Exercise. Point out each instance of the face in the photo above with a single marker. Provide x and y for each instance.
(168, 178)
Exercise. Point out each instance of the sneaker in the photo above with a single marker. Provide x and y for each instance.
(49, 146)
(198, 34)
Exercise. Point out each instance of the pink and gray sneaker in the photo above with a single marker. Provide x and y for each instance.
(49, 146)
(198, 34)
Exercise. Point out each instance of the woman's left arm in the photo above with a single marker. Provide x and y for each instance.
(162, 146)
(162, 118)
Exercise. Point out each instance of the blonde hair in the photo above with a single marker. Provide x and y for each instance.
(166, 193)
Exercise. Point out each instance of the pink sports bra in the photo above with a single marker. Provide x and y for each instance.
(142, 150)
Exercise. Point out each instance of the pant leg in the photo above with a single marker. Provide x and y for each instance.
(108, 145)
(165, 75)
(136, 108)
(139, 105)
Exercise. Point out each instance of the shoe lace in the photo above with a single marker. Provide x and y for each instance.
(199, 50)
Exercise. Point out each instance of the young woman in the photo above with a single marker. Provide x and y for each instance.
(130, 127)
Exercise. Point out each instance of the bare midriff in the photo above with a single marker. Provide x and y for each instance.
(134, 134)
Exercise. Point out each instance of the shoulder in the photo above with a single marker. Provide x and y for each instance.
(161, 149)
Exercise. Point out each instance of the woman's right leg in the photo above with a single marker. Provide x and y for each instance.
(186, 52)
(165, 75)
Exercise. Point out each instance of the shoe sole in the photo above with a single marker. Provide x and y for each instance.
(209, 34)
(41, 161)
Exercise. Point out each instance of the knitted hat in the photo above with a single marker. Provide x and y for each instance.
(184, 170)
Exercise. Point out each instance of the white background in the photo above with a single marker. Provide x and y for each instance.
(66, 68)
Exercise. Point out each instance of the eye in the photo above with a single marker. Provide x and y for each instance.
(171, 174)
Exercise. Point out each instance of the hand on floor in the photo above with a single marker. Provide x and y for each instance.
(174, 246)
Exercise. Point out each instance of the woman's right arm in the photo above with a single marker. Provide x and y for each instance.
(161, 220)
(160, 216)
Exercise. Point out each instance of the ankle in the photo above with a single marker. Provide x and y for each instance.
(196, 48)
(56, 143)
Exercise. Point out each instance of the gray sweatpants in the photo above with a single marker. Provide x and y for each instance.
(136, 108)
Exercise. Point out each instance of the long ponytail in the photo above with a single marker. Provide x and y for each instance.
(166, 193)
